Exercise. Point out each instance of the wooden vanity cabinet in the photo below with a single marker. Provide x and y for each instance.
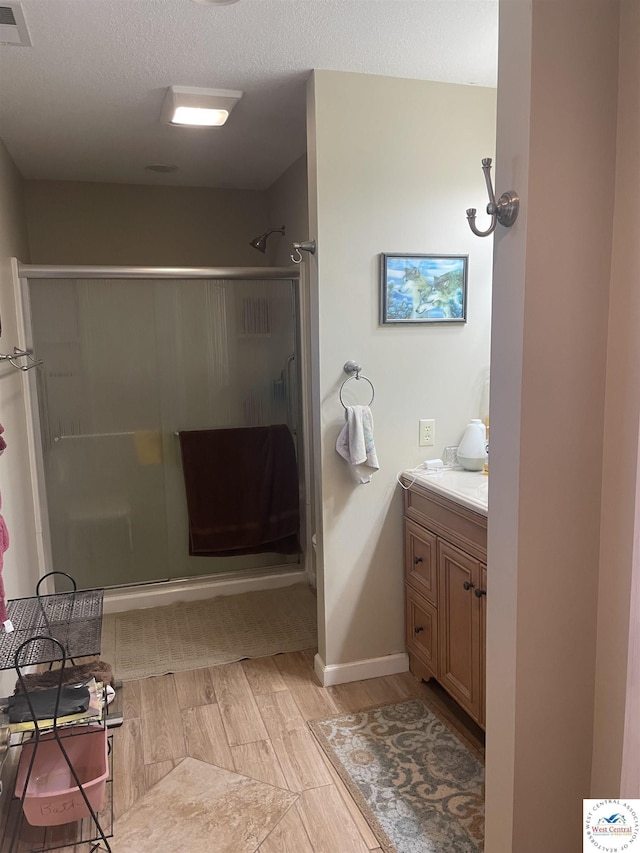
(422, 635)
(445, 584)
(459, 654)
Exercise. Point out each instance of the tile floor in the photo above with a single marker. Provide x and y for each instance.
(249, 720)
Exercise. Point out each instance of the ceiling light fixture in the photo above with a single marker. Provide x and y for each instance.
(192, 107)
(215, 2)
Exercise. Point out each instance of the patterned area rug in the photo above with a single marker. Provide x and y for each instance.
(196, 634)
(420, 787)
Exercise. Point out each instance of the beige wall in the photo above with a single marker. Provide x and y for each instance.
(397, 184)
(556, 146)
(288, 206)
(84, 223)
(287, 200)
(512, 165)
(21, 560)
(618, 624)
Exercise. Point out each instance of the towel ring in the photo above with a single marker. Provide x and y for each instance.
(358, 375)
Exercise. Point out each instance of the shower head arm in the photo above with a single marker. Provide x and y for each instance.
(260, 243)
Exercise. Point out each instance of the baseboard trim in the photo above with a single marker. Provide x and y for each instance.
(170, 592)
(358, 670)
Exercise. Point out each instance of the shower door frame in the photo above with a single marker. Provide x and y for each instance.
(252, 578)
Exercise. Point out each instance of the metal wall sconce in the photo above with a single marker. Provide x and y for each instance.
(504, 211)
(305, 246)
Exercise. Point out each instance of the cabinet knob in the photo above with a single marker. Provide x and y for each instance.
(468, 585)
(480, 593)
(417, 560)
(417, 629)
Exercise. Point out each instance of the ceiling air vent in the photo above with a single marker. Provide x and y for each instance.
(13, 27)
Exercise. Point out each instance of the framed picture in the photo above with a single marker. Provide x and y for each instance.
(423, 289)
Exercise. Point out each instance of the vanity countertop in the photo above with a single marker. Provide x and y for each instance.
(468, 488)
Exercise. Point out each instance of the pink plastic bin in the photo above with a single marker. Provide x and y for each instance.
(52, 795)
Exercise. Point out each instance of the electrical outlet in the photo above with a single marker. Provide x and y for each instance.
(427, 433)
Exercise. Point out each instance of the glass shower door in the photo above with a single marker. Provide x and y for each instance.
(227, 360)
(98, 395)
(127, 364)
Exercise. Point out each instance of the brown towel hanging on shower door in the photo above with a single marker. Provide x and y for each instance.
(242, 491)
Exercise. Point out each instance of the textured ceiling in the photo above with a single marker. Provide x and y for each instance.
(83, 103)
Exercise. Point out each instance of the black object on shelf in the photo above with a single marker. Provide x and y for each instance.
(50, 703)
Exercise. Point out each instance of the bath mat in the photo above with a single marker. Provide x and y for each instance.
(420, 787)
(197, 634)
(201, 808)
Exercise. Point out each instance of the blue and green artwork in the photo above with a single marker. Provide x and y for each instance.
(424, 288)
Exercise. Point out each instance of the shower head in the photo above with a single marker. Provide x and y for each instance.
(260, 243)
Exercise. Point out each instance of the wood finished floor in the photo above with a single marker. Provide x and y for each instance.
(250, 717)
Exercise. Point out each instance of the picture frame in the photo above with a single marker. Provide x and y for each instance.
(417, 289)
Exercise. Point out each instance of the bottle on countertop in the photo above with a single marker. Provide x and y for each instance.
(471, 450)
(484, 413)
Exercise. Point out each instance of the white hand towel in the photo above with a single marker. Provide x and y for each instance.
(355, 443)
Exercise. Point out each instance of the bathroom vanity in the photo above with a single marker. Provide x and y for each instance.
(445, 545)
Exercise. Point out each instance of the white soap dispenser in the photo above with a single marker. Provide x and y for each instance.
(471, 450)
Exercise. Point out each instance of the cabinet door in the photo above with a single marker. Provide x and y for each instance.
(420, 561)
(459, 627)
(422, 632)
(483, 642)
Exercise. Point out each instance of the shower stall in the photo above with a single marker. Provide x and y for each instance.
(131, 357)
